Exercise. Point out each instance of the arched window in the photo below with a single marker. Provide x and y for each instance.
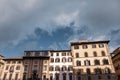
(70, 68)
(107, 71)
(64, 76)
(96, 62)
(98, 71)
(78, 63)
(57, 68)
(86, 54)
(64, 68)
(87, 62)
(105, 62)
(88, 71)
(51, 76)
(57, 60)
(95, 54)
(51, 68)
(103, 53)
(56, 76)
(18, 68)
(77, 55)
(70, 76)
(64, 59)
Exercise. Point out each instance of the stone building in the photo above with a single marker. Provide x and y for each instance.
(92, 61)
(116, 61)
(36, 65)
(2, 62)
(13, 69)
(60, 65)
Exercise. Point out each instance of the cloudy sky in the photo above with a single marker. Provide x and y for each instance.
(53, 24)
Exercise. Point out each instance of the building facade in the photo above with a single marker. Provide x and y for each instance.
(84, 61)
(13, 69)
(2, 62)
(35, 65)
(60, 65)
(92, 61)
(116, 61)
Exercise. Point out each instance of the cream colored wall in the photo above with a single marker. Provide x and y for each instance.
(90, 57)
(20, 72)
(2, 62)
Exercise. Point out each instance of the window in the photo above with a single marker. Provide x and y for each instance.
(16, 76)
(8, 62)
(78, 63)
(57, 54)
(13, 62)
(51, 54)
(86, 54)
(57, 60)
(57, 68)
(18, 68)
(10, 76)
(64, 76)
(88, 71)
(25, 62)
(69, 59)
(95, 54)
(84, 46)
(89, 78)
(19, 62)
(93, 45)
(12, 69)
(105, 62)
(37, 53)
(64, 59)
(45, 68)
(51, 68)
(52, 60)
(108, 76)
(7, 67)
(107, 71)
(64, 68)
(63, 53)
(76, 46)
(101, 45)
(35, 62)
(56, 76)
(96, 62)
(98, 71)
(70, 68)
(77, 55)
(103, 53)
(70, 76)
(26, 67)
(99, 77)
(87, 62)
(27, 53)
(4, 78)
(51, 76)
(68, 54)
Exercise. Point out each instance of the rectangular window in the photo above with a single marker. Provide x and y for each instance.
(57, 54)
(45, 68)
(63, 53)
(35, 67)
(7, 67)
(84, 46)
(101, 45)
(93, 45)
(35, 62)
(76, 46)
(16, 76)
(13, 62)
(26, 67)
(4, 78)
(10, 76)
(52, 60)
(37, 53)
(28, 53)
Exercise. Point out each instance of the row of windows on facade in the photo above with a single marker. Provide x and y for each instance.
(94, 54)
(57, 68)
(63, 54)
(96, 71)
(14, 62)
(96, 62)
(10, 77)
(36, 53)
(11, 68)
(85, 46)
(63, 60)
(78, 77)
